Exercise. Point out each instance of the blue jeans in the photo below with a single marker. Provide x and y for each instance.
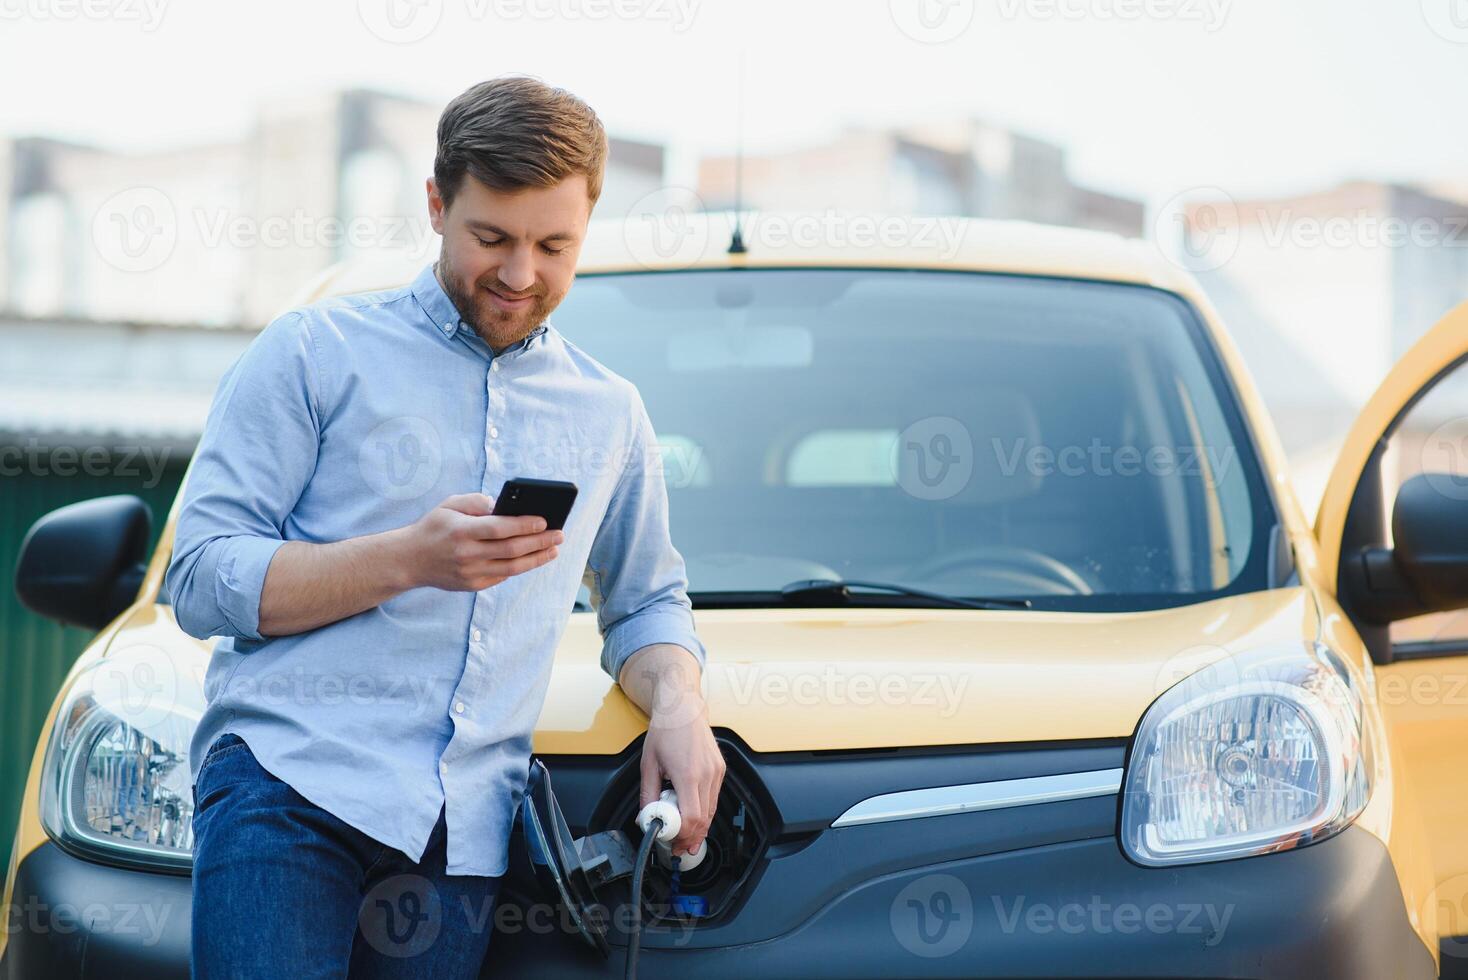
(284, 889)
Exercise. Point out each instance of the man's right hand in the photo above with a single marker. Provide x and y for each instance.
(461, 546)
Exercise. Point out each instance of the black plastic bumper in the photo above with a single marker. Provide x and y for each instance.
(1075, 909)
(74, 918)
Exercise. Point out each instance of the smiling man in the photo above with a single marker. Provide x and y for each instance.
(386, 640)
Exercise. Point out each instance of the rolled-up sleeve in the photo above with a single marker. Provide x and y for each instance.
(637, 579)
(256, 455)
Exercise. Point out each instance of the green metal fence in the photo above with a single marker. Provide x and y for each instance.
(35, 653)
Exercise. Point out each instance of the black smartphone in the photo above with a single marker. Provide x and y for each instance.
(551, 499)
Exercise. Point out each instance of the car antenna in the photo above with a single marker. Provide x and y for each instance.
(736, 242)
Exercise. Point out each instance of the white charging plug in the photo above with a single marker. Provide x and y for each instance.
(665, 808)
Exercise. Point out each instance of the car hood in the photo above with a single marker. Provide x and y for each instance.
(805, 679)
(812, 679)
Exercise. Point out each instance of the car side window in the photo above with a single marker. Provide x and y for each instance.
(1433, 438)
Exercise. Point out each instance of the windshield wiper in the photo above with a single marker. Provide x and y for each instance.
(811, 588)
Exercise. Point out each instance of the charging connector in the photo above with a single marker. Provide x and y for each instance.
(659, 822)
(665, 809)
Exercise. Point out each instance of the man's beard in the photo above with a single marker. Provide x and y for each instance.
(498, 328)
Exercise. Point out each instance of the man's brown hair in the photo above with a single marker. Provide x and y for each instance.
(515, 132)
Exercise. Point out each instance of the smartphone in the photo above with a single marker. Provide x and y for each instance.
(551, 499)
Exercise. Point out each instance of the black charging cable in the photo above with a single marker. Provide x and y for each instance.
(634, 936)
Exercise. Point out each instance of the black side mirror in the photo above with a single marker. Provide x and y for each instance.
(1430, 533)
(83, 564)
(1426, 570)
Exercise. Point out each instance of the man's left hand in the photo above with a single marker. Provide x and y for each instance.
(663, 679)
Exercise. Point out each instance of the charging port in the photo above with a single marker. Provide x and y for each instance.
(736, 841)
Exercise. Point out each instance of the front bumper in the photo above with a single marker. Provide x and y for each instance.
(1072, 909)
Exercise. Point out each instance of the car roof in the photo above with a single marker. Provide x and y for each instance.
(675, 240)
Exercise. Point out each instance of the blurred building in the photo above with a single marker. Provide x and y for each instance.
(228, 233)
(1324, 292)
(960, 168)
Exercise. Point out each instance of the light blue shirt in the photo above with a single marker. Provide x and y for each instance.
(360, 414)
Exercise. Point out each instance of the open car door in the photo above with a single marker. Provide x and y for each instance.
(1393, 535)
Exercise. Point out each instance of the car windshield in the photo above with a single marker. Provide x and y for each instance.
(1070, 442)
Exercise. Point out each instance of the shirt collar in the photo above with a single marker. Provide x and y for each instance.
(444, 315)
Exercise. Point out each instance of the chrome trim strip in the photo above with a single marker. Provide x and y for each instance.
(970, 797)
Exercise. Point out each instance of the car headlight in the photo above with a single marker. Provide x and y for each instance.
(115, 784)
(1260, 752)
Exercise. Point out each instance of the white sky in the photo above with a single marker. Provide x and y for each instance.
(1281, 95)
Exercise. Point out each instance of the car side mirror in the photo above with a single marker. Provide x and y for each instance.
(1430, 537)
(82, 564)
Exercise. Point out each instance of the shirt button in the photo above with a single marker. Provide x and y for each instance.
(494, 365)
(459, 707)
(493, 432)
(443, 766)
(476, 635)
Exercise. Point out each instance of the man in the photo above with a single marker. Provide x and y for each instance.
(387, 641)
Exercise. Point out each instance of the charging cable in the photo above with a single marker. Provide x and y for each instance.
(634, 939)
(659, 822)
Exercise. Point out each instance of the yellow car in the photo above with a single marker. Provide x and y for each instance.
(1023, 655)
